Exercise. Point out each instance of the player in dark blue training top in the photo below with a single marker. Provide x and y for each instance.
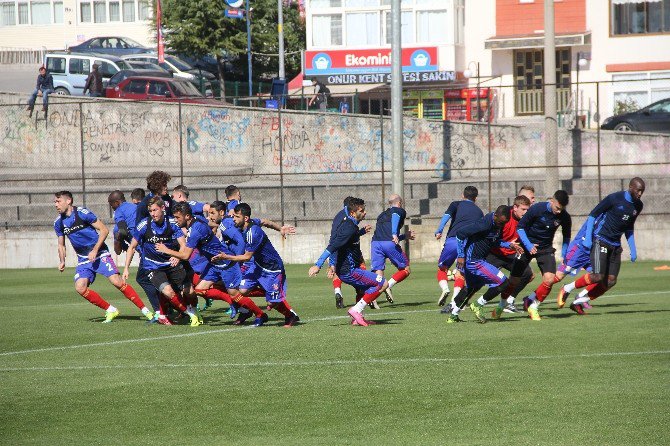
(612, 218)
(346, 247)
(536, 232)
(157, 183)
(386, 243)
(180, 194)
(460, 213)
(87, 235)
(166, 273)
(475, 242)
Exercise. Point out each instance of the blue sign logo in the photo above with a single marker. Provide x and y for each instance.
(321, 62)
(234, 3)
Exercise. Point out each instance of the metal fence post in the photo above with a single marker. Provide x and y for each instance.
(181, 146)
(381, 148)
(600, 186)
(281, 164)
(488, 133)
(81, 146)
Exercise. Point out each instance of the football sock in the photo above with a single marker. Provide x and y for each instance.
(597, 291)
(190, 310)
(510, 300)
(442, 276)
(444, 285)
(337, 284)
(583, 281)
(569, 287)
(581, 300)
(249, 304)
(337, 290)
(258, 292)
(282, 308)
(360, 306)
(95, 299)
(542, 291)
(174, 300)
(145, 311)
(112, 308)
(481, 301)
(399, 277)
(214, 293)
(132, 295)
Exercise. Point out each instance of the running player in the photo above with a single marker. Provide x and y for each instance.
(536, 231)
(346, 247)
(157, 183)
(386, 243)
(461, 213)
(87, 235)
(613, 217)
(166, 273)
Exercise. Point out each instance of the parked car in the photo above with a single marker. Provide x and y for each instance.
(111, 92)
(179, 69)
(652, 118)
(148, 88)
(144, 65)
(70, 70)
(115, 45)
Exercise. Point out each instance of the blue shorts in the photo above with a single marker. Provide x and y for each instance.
(248, 266)
(102, 265)
(230, 277)
(274, 283)
(449, 253)
(576, 258)
(363, 280)
(382, 250)
(480, 273)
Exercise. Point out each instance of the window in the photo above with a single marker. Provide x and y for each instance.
(403, 3)
(406, 27)
(99, 12)
(106, 69)
(58, 12)
(40, 13)
(114, 12)
(143, 8)
(158, 88)
(24, 14)
(429, 2)
(56, 65)
(8, 12)
(136, 86)
(129, 11)
(360, 3)
(326, 30)
(641, 17)
(362, 29)
(637, 90)
(80, 66)
(431, 27)
(326, 3)
(84, 12)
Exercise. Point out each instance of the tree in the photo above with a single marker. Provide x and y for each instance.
(199, 27)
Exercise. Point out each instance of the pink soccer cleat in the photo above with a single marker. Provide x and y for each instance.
(357, 317)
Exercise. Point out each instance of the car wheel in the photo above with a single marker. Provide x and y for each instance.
(62, 91)
(624, 127)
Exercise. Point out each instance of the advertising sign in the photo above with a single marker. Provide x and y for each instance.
(368, 61)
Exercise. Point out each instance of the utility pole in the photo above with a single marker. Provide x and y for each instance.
(248, 16)
(398, 160)
(280, 31)
(551, 182)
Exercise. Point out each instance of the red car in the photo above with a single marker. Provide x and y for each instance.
(147, 88)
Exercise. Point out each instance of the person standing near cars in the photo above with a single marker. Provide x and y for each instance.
(44, 86)
(94, 83)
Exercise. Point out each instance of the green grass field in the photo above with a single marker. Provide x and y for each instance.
(412, 379)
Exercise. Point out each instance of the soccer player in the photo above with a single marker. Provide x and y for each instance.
(124, 219)
(461, 213)
(180, 194)
(502, 257)
(87, 235)
(157, 183)
(166, 273)
(137, 195)
(536, 231)
(474, 243)
(613, 217)
(233, 198)
(268, 271)
(346, 246)
(386, 243)
(528, 191)
(200, 236)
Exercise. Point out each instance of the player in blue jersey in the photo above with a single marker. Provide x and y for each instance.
(346, 247)
(461, 213)
(87, 235)
(157, 183)
(233, 198)
(124, 219)
(137, 195)
(201, 237)
(268, 271)
(386, 243)
(180, 194)
(536, 231)
(611, 219)
(475, 242)
(166, 273)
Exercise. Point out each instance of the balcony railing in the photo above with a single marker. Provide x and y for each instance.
(531, 102)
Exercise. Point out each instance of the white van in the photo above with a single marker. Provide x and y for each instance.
(70, 70)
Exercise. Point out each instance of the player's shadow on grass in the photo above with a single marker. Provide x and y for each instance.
(396, 304)
(123, 317)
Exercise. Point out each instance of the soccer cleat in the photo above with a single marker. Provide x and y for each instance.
(443, 297)
(389, 295)
(497, 312)
(339, 301)
(208, 304)
(259, 321)
(579, 309)
(453, 318)
(511, 308)
(110, 316)
(291, 320)
(366, 321)
(233, 310)
(199, 316)
(586, 306)
(447, 309)
(562, 297)
(357, 317)
(533, 314)
(164, 321)
(194, 320)
(526, 303)
(150, 316)
(242, 318)
(479, 312)
(374, 305)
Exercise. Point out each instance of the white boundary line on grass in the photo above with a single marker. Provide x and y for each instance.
(228, 329)
(338, 362)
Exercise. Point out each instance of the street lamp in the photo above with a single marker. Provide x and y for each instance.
(581, 62)
(468, 74)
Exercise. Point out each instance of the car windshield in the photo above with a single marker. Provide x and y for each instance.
(131, 43)
(123, 65)
(184, 89)
(178, 63)
(660, 107)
